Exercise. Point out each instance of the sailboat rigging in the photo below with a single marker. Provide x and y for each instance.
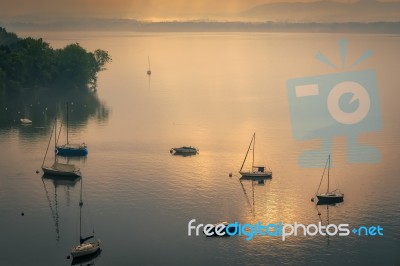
(84, 248)
(70, 149)
(330, 197)
(256, 171)
(59, 169)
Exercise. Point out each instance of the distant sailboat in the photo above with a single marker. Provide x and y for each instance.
(258, 171)
(84, 248)
(59, 169)
(149, 70)
(330, 197)
(70, 149)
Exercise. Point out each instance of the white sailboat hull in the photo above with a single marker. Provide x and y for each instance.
(85, 249)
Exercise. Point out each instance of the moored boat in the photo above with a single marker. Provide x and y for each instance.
(70, 149)
(59, 169)
(25, 121)
(185, 150)
(84, 248)
(256, 171)
(330, 197)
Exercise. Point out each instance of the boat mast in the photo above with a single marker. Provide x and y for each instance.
(323, 174)
(245, 157)
(329, 166)
(55, 140)
(48, 145)
(80, 215)
(254, 147)
(67, 123)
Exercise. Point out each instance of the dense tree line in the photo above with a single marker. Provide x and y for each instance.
(27, 63)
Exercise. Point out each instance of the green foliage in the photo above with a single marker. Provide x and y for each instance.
(31, 63)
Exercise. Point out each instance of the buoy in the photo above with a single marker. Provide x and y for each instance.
(312, 199)
(319, 214)
(230, 174)
(68, 257)
(22, 214)
(37, 171)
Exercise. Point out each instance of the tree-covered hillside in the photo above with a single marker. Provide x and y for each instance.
(27, 63)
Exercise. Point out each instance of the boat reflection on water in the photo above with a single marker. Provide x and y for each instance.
(60, 181)
(74, 158)
(326, 222)
(254, 181)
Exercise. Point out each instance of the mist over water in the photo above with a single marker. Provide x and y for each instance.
(211, 91)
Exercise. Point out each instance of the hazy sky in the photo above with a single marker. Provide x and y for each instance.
(139, 9)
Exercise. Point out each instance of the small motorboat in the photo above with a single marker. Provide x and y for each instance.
(25, 121)
(185, 150)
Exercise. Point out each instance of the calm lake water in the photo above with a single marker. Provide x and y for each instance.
(212, 91)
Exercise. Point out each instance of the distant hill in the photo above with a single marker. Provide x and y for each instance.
(128, 25)
(325, 11)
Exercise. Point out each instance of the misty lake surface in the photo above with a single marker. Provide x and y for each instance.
(211, 91)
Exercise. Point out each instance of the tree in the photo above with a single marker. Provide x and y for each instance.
(31, 63)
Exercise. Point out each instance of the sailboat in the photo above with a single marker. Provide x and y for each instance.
(330, 197)
(256, 171)
(69, 149)
(148, 71)
(59, 169)
(84, 248)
